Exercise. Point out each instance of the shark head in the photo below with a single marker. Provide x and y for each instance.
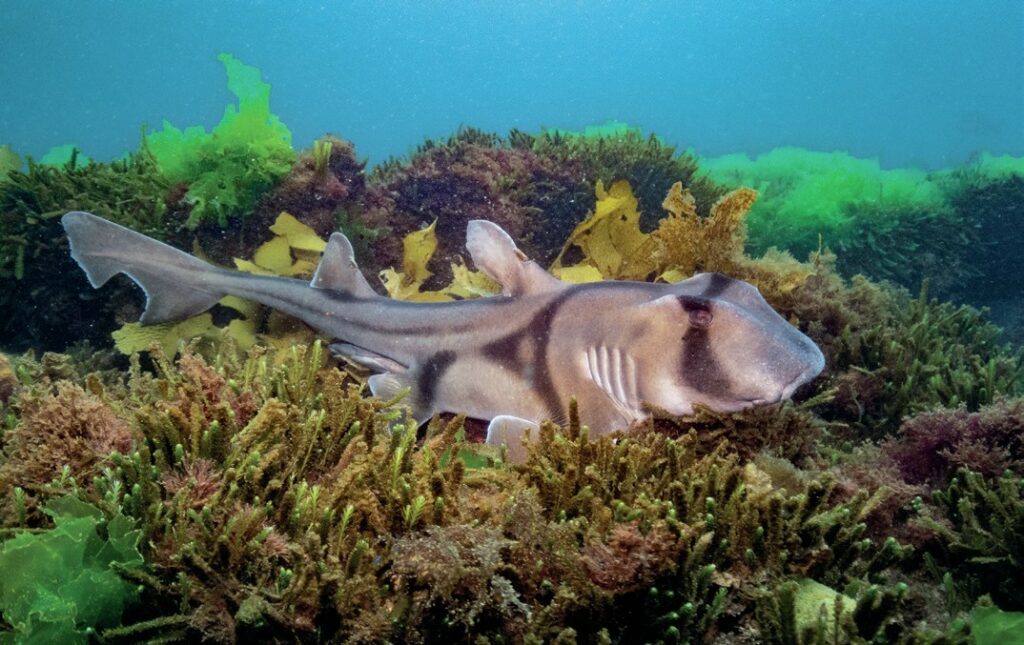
(723, 346)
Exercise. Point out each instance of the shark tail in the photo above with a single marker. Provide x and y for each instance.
(104, 249)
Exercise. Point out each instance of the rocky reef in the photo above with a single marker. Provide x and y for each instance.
(225, 480)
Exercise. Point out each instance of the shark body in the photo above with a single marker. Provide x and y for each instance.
(515, 358)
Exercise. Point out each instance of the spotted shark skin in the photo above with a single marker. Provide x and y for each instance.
(515, 358)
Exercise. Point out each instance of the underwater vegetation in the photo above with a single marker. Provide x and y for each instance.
(223, 479)
(472, 175)
(955, 228)
(227, 169)
(39, 281)
(271, 498)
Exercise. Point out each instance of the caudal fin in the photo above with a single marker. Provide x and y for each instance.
(172, 279)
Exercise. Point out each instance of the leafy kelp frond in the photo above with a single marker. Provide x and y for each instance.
(244, 155)
(614, 247)
(992, 625)
(61, 585)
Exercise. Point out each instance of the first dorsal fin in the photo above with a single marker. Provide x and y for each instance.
(338, 270)
(494, 253)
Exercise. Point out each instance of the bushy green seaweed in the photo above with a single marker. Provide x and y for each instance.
(41, 283)
(227, 169)
(615, 151)
(806, 194)
(63, 156)
(980, 523)
(9, 161)
(61, 585)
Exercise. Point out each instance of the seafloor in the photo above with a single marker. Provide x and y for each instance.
(224, 479)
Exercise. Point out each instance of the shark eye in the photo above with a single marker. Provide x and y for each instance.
(700, 318)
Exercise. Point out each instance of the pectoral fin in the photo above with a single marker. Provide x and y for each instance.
(421, 380)
(366, 358)
(494, 253)
(511, 431)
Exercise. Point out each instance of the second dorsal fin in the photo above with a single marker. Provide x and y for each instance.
(338, 270)
(494, 253)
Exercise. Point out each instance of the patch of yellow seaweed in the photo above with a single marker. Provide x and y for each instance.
(614, 247)
(294, 250)
(418, 248)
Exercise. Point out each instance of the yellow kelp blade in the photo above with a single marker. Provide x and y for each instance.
(417, 249)
(610, 239)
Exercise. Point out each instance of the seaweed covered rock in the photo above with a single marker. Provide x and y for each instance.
(932, 446)
(324, 190)
(614, 152)
(473, 176)
(45, 300)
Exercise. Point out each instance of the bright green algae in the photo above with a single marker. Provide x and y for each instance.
(227, 169)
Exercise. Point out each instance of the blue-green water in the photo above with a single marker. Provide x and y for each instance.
(913, 83)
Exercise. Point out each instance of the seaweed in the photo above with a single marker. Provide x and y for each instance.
(806, 612)
(981, 525)
(41, 281)
(275, 501)
(62, 584)
(244, 155)
(932, 446)
(70, 429)
(807, 194)
(9, 161)
(616, 152)
(918, 354)
(472, 175)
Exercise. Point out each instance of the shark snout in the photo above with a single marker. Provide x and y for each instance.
(814, 363)
(811, 362)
